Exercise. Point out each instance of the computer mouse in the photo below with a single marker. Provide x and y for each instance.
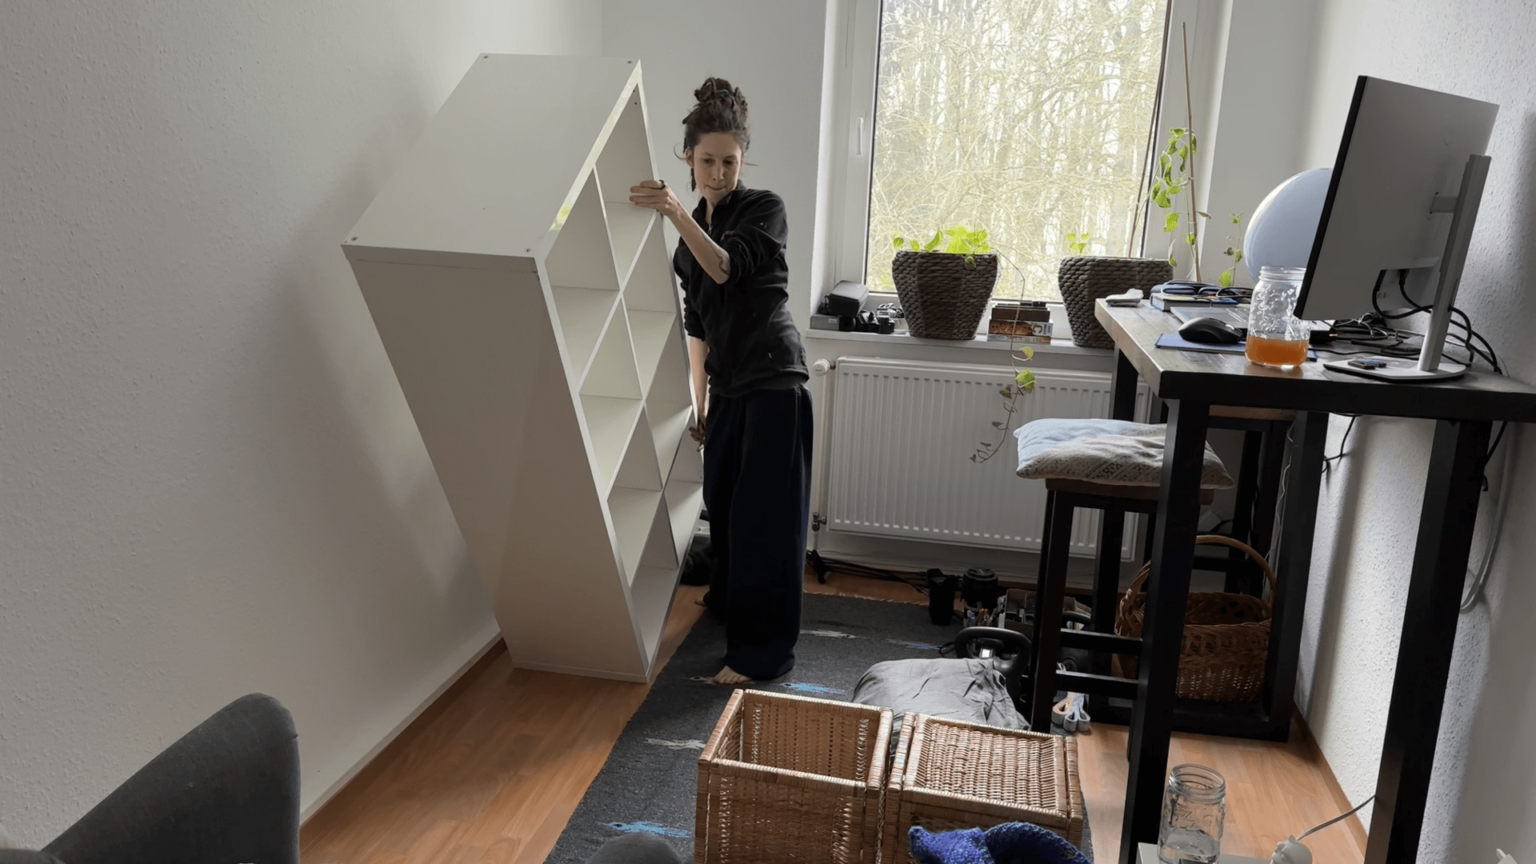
(1210, 330)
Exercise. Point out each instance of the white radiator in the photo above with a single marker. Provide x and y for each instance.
(901, 436)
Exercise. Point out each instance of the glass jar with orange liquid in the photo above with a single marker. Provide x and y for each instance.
(1276, 337)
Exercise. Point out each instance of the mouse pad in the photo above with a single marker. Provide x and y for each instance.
(1177, 342)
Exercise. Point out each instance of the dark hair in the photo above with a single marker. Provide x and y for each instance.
(718, 107)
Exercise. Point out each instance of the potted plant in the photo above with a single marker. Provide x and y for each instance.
(944, 284)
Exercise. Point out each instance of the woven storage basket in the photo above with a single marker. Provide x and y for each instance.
(1085, 279)
(950, 774)
(1226, 636)
(941, 297)
(787, 778)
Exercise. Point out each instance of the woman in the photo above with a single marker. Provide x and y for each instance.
(749, 390)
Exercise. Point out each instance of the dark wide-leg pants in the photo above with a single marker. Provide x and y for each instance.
(757, 488)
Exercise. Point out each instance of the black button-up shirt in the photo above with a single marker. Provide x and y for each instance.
(753, 342)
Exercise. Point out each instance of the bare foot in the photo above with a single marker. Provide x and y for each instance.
(729, 676)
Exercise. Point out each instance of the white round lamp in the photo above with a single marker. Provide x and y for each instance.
(1281, 231)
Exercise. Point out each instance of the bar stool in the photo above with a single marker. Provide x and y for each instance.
(1063, 453)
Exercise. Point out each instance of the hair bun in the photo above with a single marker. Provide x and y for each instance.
(718, 90)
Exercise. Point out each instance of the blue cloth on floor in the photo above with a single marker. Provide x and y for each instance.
(1010, 843)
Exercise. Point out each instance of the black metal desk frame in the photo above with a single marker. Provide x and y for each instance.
(1190, 382)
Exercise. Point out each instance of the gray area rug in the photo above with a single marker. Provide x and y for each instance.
(648, 783)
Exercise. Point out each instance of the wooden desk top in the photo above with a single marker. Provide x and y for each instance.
(1229, 379)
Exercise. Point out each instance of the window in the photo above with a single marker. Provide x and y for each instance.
(1027, 118)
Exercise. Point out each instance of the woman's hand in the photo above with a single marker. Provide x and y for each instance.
(655, 195)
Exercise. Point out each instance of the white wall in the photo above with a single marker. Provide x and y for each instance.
(1484, 794)
(774, 52)
(212, 484)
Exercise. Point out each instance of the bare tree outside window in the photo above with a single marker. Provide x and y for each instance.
(1024, 117)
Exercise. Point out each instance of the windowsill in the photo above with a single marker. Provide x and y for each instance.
(1058, 345)
(1061, 339)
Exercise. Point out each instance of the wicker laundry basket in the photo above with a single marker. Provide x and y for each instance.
(788, 778)
(950, 774)
(1085, 279)
(1226, 636)
(941, 296)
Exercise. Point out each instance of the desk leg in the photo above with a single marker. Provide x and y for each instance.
(1173, 549)
(1309, 434)
(1429, 632)
(1122, 389)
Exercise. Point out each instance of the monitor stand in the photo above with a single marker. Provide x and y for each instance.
(1431, 366)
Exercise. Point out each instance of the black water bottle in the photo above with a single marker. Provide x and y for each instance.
(941, 596)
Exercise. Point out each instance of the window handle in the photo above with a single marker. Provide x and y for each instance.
(860, 138)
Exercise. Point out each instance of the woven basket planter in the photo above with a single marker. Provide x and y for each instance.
(949, 774)
(788, 778)
(1085, 279)
(941, 297)
(1226, 636)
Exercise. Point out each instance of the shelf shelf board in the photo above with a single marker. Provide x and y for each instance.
(582, 313)
(610, 422)
(650, 332)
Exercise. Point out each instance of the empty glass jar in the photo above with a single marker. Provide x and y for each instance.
(1194, 812)
(1276, 337)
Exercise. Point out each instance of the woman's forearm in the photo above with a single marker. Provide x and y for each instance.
(698, 349)
(715, 261)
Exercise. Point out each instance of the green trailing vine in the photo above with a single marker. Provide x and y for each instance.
(1176, 175)
(1234, 251)
(1023, 382)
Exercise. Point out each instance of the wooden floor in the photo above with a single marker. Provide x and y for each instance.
(494, 769)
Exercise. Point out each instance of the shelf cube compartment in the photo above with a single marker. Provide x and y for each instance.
(584, 286)
(624, 161)
(684, 495)
(651, 285)
(652, 332)
(668, 404)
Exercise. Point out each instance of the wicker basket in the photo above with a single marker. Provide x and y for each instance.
(950, 774)
(1226, 636)
(787, 778)
(1085, 279)
(941, 297)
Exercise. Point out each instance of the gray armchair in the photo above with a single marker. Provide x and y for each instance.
(225, 793)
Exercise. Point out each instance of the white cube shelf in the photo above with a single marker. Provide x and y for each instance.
(533, 321)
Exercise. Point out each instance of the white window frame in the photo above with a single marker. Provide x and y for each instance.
(856, 48)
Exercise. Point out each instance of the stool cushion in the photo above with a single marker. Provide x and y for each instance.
(1110, 452)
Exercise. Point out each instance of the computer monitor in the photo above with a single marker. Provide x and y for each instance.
(1401, 203)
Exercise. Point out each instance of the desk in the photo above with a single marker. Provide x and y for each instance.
(1189, 382)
